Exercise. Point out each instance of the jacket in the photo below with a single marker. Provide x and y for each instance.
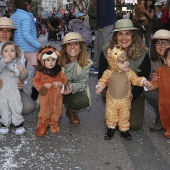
(165, 15)
(26, 34)
(79, 78)
(105, 13)
(92, 13)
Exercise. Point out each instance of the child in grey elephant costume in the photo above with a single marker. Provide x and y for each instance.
(11, 70)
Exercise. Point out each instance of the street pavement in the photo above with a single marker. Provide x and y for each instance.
(83, 147)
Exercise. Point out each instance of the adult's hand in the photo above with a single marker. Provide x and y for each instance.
(155, 76)
(1, 83)
(69, 89)
(20, 84)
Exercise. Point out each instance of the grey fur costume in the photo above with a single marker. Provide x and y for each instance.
(10, 99)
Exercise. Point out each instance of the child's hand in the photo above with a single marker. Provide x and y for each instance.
(147, 84)
(99, 90)
(57, 84)
(8, 59)
(21, 70)
(47, 85)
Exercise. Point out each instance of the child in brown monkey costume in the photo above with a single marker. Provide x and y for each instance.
(49, 82)
(119, 96)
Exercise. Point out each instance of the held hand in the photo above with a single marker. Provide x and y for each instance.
(69, 89)
(155, 76)
(147, 84)
(99, 90)
(107, 83)
(47, 85)
(21, 70)
(57, 84)
(20, 84)
(1, 83)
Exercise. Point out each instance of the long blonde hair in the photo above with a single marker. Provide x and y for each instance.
(83, 58)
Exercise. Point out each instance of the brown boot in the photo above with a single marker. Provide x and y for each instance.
(72, 115)
(41, 131)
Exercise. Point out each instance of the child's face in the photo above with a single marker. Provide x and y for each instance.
(123, 65)
(9, 51)
(167, 60)
(50, 62)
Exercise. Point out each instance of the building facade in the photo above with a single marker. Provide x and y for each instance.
(2, 7)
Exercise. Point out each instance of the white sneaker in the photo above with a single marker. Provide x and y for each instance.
(20, 131)
(4, 130)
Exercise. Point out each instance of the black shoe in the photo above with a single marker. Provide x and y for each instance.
(109, 134)
(156, 127)
(126, 135)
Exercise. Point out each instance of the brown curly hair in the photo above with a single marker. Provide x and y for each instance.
(135, 50)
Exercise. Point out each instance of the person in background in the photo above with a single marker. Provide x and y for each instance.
(6, 34)
(49, 80)
(25, 35)
(126, 37)
(10, 99)
(164, 17)
(76, 64)
(150, 12)
(92, 13)
(6, 14)
(105, 24)
(140, 12)
(160, 42)
(119, 95)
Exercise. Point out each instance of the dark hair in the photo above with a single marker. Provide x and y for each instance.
(22, 4)
(166, 52)
(12, 43)
(154, 56)
(151, 7)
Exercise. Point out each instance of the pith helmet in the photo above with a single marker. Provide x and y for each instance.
(72, 37)
(6, 23)
(162, 34)
(124, 24)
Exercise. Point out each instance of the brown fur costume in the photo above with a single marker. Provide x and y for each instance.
(164, 100)
(50, 99)
(118, 97)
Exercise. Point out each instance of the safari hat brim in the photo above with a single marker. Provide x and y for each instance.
(72, 37)
(6, 26)
(124, 24)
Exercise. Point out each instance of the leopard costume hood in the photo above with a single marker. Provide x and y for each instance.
(114, 55)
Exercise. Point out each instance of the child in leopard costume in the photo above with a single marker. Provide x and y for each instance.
(119, 96)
